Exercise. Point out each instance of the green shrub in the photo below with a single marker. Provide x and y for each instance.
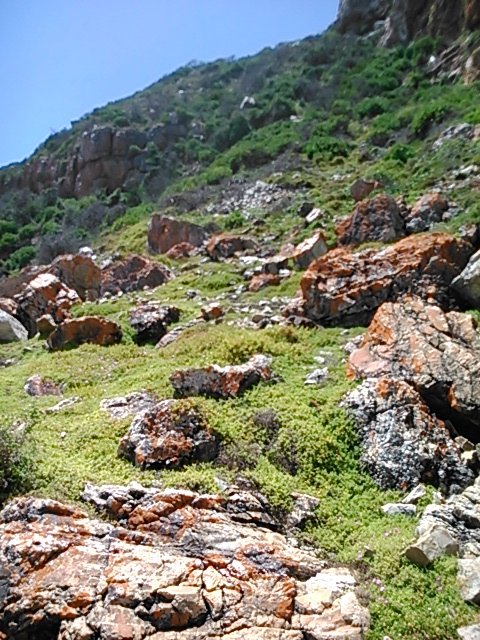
(370, 107)
(14, 472)
(426, 116)
(20, 258)
(400, 153)
(234, 220)
(327, 148)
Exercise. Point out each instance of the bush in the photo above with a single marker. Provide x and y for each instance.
(426, 116)
(327, 148)
(234, 220)
(13, 460)
(370, 107)
(20, 258)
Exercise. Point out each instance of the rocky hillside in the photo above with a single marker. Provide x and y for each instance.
(251, 408)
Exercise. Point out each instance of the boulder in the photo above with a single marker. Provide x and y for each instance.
(133, 274)
(80, 273)
(345, 288)
(429, 209)
(45, 294)
(150, 320)
(263, 280)
(181, 250)
(222, 382)
(179, 566)
(467, 284)
(471, 632)
(77, 331)
(134, 403)
(437, 353)
(433, 543)
(223, 246)
(171, 434)
(38, 386)
(212, 311)
(469, 579)
(361, 188)
(399, 509)
(9, 306)
(402, 441)
(309, 250)
(164, 233)
(45, 325)
(11, 330)
(378, 219)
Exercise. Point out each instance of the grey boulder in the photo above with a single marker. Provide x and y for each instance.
(11, 330)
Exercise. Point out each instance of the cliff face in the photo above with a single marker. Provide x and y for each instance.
(404, 20)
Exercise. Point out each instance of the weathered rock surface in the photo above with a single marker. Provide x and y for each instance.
(378, 219)
(467, 284)
(77, 331)
(471, 632)
(133, 274)
(11, 330)
(170, 434)
(223, 246)
(451, 526)
(469, 579)
(429, 209)
(301, 255)
(150, 321)
(403, 442)
(399, 21)
(130, 405)
(212, 311)
(437, 353)
(362, 188)
(164, 233)
(80, 273)
(181, 250)
(263, 280)
(180, 566)
(345, 288)
(45, 294)
(38, 386)
(222, 382)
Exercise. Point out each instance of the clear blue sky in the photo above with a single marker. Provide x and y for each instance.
(59, 59)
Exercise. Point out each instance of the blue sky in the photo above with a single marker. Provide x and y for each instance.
(59, 59)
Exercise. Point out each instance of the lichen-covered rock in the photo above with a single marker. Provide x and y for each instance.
(467, 284)
(222, 382)
(80, 273)
(45, 294)
(263, 280)
(77, 331)
(429, 209)
(180, 566)
(181, 250)
(38, 386)
(11, 330)
(378, 219)
(362, 188)
(437, 353)
(223, 246)
(345, 288)
(403, 442)
(170, 434)
(212, 311)
(130, 405)
(133, 274)
(164, 233)
(150, 321)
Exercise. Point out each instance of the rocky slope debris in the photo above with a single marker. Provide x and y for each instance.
(437, 353)
(80, 273)
(222, 382)
(77, 331)
(223, 246)
(378, 219)
(170, 434)
(345, 288)
(180, 566)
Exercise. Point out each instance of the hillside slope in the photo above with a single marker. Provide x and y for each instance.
(252, 410)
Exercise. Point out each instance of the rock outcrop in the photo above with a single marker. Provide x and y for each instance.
(429, 209)
(171, 434)
(345, 288)
(165, 233)
(150, 321)
(222, 382)
(437, 353)
(45, 294)
(80, 273)
(132, 404)
(403, 442)
(38, 386)
(378, 219)
(223, 246)
(77, 331)
(179, 566)
(399, 21)
(133, 273)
